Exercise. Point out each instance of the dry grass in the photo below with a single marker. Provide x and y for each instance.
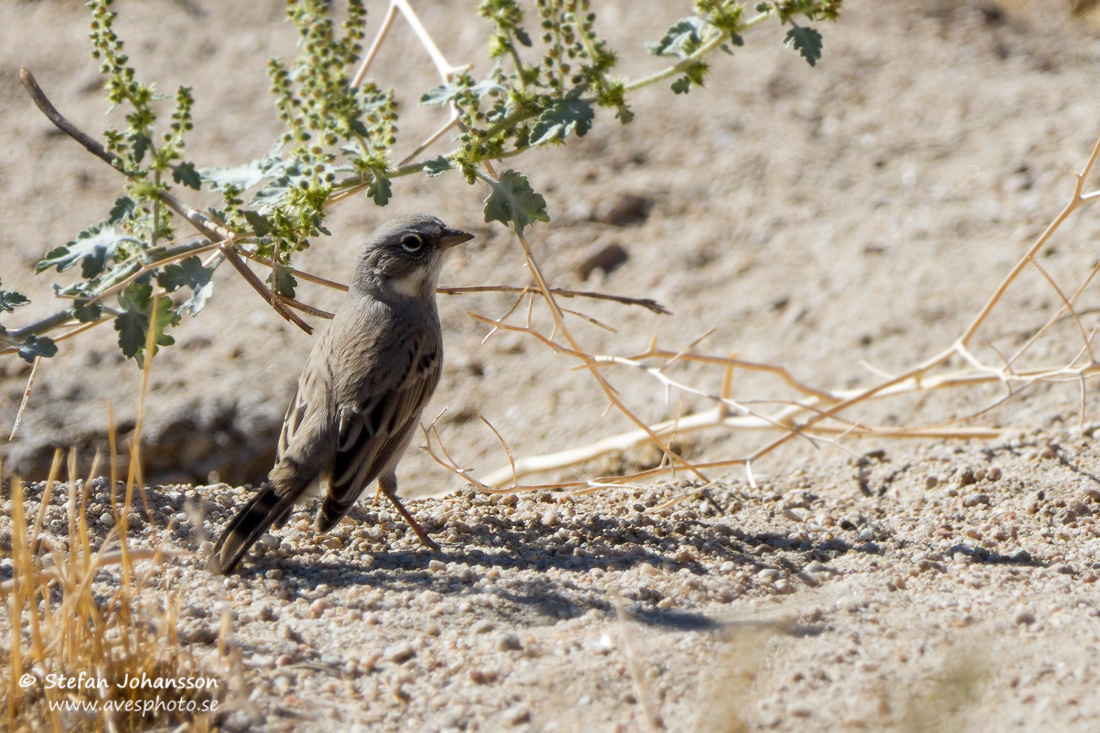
(61, 626)
(74, 651)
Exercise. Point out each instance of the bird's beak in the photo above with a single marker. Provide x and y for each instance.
(453, 237)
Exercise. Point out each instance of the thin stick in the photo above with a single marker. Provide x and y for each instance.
(646, 303)
(252, 279)
(1074, 202)
(26, 397)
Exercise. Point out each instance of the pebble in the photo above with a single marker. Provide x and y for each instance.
(972, 500)
(482, 627)
(784, 586)
(1025, 617)
(318, 607)
(517, 714)
(797, 514)
(509, 642)
(398, 653)
(768, 575)
(436, 566)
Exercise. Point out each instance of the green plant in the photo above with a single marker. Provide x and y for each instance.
(552, 72)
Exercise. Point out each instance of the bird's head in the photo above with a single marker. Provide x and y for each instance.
(403, 257)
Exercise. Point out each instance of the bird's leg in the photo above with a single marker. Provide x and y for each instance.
(388, 485)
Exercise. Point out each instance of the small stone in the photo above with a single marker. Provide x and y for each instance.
(784, 586)
(437, 566)
(866, 534)
(967, 477)
(318, 607)
(796, 514)
(482, 627)
(624, 209)
(509, 642)
(550, 518)
(606, 258)
(269, 541)
(1025, 617)
(517, 715)
(398, 653)
(284, 660)
(302, 525)
(931, 480)
(972, 500)
(994, 473)
(107, 519)
(483, 676)
(768, 575)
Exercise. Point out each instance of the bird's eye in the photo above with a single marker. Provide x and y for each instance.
(412, 243)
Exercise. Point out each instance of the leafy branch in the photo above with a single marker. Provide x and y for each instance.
(340, 130)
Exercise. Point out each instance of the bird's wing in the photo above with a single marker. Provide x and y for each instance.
(306, 408)
(374, 431)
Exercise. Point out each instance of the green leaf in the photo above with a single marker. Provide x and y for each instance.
(513, 201)
(136, 296)
(123, 210)
(283, 281)
(133, 324)
(444, 93)
(258, 222)
(806, 41)
(131, 333)
(564, 116)
(36, 346)
(273, 194)
(681, 85)
(188, 273)
(239, 177)
(522, 37)
(10, 300)
(140, 145)
(437, 166)
(86, 313)
(186, 175)
(92, 248)
(681, 39)
(379, 189)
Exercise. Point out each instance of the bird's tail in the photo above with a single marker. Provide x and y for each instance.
(265, 509)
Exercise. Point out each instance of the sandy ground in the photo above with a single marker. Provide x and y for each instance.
(814, 218)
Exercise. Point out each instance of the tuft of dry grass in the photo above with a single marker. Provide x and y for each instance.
(78, 660)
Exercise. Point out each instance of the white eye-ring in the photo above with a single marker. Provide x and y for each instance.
(412, 243)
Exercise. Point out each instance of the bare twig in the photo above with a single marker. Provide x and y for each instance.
(646, 303)
(26, 396)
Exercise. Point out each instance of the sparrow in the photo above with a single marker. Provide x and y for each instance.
(361, 392)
